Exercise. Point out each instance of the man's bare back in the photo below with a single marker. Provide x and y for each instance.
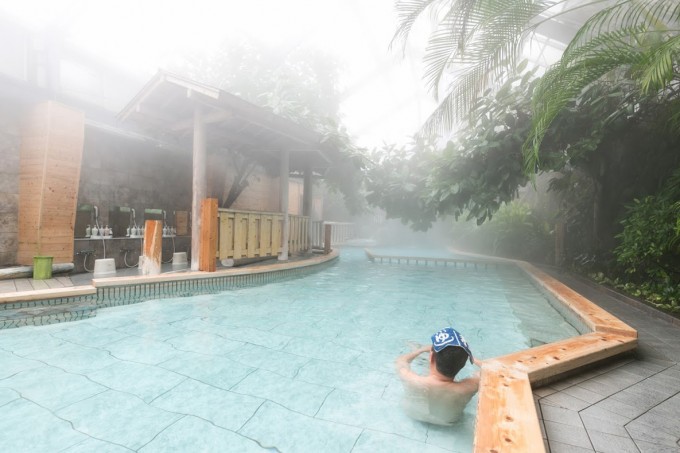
(434, 398)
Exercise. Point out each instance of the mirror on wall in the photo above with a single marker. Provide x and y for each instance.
(84, 217)
(121, 218)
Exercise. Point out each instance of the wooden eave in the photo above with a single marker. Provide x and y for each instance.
(166, 104)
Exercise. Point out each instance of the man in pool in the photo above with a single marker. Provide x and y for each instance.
(438, 397)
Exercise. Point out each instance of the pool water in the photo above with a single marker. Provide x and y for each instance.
(302, 365)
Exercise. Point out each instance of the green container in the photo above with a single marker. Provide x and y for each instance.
(42, 267)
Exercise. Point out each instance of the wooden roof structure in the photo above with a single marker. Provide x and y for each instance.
(165, 107)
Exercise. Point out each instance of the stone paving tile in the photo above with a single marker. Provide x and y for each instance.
(643, 398)
(74, 358)
(292, 394)
(660, 421)
(43, 431)
(279, 362)
(609, 443)
(11, 364)
(559, 447)
(145, 381)
(7, 395)
(321, 350)
(277, 427)
(647, 447)
(193, 434)
(91, 444)
(352, 409)
(136, 423)
(600, 387)
(561, 399)
(142, 350)
(217, 371)
(22, 284)
(345, 377)
(617, 407)
(640, 431)
(37, 284)
(72, 387)
(377, 442)
(220, 407)
(584, 394)
(561, 415)
(545, 391)
(566, 434)
(7, 286)
(86, 334)
(598, 419)
(203, 343)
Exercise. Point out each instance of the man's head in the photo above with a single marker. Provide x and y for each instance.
(450, 351)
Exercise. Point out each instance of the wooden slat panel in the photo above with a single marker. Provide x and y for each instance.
(266, 235)
(252, 243)
(277, 231)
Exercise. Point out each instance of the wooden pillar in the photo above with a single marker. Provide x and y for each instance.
(559, 242)
(307, 192)
(49, 176)
(284, 173)
(208, 246)
(150, 261)
(199, 185)
(307, 195)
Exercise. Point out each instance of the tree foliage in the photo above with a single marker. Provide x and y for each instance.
(472, 176)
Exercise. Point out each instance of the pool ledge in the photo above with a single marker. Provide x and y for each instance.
(506, 414)
(66, 293)
(198, 275)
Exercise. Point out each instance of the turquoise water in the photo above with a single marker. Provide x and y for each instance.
(303, 365)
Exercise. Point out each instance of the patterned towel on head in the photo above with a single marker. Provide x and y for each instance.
(450, 337)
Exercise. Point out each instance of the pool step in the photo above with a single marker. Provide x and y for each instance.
(431, 261)
(38, 315)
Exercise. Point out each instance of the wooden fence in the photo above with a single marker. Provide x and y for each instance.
(249, 234)
(340, 232)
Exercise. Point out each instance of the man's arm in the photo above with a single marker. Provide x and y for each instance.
(403, 363)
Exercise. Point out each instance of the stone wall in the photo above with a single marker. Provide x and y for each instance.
(124, 172)
(9, 186)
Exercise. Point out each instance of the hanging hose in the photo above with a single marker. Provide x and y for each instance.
(85, 262)
(125, 260)
(173, 252)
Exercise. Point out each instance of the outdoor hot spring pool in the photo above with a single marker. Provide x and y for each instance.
(302, 365)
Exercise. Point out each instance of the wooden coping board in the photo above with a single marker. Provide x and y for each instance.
(506, 413)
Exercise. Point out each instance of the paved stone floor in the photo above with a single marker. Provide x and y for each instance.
(629, 405)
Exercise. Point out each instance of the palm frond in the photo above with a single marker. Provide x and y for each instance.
(407, 14)
(567, 79)
(657, 69)
(657, 14)
(492, 46)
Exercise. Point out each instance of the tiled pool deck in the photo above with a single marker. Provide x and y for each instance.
(629, 405)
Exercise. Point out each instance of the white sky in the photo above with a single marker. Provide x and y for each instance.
(385, 97)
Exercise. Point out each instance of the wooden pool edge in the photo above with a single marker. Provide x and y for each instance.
(506, 414)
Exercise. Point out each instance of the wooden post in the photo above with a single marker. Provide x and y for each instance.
(208, 242)
(327, 233)
(150, 261)
(307, 193)
(199, 185)
(284, 173)
(559, 242)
